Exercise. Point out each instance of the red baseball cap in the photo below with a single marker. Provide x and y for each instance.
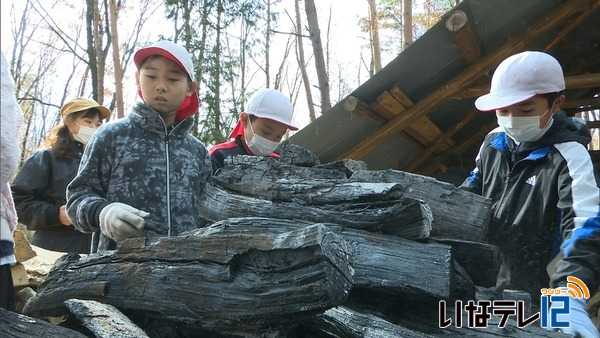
(180, 56)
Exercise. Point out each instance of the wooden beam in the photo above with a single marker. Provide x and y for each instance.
(589, 80)
(567, 29)
(585, 103)
(443, 138)
(593, 124)
(463, 36)
(513, 45)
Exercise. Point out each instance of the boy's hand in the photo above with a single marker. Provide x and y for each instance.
(580, 324)
(120, 221)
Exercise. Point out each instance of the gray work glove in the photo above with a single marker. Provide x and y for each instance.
(120, 221)
(580, 323)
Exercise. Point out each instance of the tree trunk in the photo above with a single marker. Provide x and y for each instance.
(407, 29)
(315, 37)
(374, 30)
(114, 17)
(302, 64)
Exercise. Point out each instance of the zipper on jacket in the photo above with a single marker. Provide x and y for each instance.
(168, 185)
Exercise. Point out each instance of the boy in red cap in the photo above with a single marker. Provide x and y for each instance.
(143, 175)
(260, 128)
(536, 169)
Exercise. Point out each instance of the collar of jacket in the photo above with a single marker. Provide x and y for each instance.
(150, 120)
(500, 142)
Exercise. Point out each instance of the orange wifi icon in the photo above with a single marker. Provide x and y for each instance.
(577, 288)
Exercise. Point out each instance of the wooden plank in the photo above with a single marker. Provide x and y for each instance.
(103, 320)
(443, 138)
(511, 46)
(363, 110)
(426, 132)
(241, 279)
(399, 95)
(422, 130)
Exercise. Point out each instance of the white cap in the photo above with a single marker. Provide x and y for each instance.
(521, 77)
(271, 104)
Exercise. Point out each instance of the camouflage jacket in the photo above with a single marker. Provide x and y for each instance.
(140, 162)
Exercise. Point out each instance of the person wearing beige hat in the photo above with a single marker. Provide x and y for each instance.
(536, 169)
(39, 189)
(260, 128)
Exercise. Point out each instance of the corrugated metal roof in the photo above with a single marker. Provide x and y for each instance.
(430, 63)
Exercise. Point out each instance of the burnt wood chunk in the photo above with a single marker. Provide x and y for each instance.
(405, 217)
(481, 261)
(381, 263)
(293, 154)
(218, 280)
(457, 213)
(345, 322)
(13, 324)
(103, 320)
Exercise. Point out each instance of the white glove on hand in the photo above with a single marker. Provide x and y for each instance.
(120, 221)
(581, 323)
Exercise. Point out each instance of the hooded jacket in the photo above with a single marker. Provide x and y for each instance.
(140, 162)
(39, 191)
(545, 203)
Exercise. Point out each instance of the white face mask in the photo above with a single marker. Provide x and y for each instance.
(84, 134)
(524, 128)
(259, 145)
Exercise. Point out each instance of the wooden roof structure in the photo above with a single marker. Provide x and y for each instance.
(419, 109)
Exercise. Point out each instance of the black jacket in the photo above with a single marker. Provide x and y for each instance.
(545, 202)
(39, 189)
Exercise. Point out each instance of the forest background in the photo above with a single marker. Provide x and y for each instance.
(314, 51)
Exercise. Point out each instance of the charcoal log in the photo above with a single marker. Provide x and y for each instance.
(481, 261)
(345, 322)
(103, 320)
(253, 277)
(390, 265)
(457, 213)
(13, 324)
(404, 217)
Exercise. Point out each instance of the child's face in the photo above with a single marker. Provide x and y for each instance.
(164, 85)
(536, 106)
(269, 129)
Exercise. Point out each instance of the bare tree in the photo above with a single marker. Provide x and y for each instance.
(114, 16)
(315, 37)
(302, 64)
(407, 27)
(374, 34)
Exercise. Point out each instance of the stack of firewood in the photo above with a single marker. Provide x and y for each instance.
(292, 248)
